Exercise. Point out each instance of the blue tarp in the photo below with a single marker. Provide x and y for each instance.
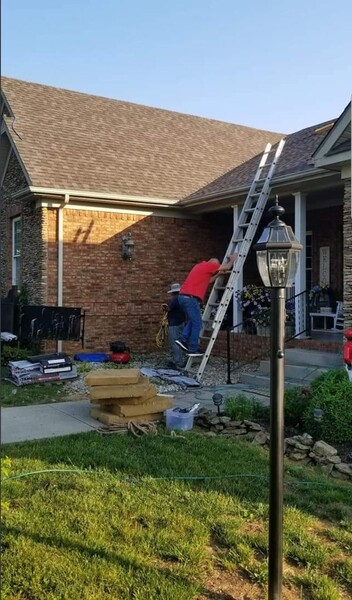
(171, 376)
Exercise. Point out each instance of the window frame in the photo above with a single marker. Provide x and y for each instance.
(16, 257)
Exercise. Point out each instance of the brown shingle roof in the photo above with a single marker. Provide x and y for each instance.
(77, 141)
(295, 158)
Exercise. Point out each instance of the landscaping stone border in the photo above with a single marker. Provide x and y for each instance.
(300, 448)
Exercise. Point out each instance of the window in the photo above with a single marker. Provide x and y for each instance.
(16, 250)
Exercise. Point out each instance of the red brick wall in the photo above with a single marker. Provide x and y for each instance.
(247, 348)
(243, 348)
(122, 298)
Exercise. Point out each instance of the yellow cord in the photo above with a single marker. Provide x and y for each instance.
(161, 336)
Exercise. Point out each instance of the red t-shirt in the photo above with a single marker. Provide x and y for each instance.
(196, 283)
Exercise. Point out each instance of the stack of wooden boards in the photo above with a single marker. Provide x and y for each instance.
(125, 395)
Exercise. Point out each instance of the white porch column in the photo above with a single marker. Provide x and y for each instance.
(300, 280)
(237, 312)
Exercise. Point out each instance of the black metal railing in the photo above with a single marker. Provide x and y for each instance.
(297, 324)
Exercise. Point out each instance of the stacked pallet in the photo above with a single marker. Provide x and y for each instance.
(125, 395)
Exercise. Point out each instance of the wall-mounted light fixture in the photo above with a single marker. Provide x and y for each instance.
(127, 247)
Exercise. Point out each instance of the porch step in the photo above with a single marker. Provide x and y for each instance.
(301, 367)
(258, 380)
(297, 372)
(299, 356)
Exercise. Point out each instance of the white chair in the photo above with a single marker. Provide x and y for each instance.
(339, 316)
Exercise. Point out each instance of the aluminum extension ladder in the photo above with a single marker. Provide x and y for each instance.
(222, 291)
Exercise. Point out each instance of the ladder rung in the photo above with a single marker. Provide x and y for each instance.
(243, 225)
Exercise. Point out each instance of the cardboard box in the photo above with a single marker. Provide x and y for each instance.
(133, 390)
(156, 404)
(109, 419)
(150, 393)
(105, 377)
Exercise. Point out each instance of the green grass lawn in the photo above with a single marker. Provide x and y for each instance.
(130, 526)
(12, 395)
(43, 393)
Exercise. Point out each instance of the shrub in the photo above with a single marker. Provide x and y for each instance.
(241, 407)
(332, 393)
(9, 353)
(296, 400)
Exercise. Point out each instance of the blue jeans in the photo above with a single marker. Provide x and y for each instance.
(191, 330)
(175, 350)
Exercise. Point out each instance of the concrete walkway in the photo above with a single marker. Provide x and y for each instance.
(40, 421)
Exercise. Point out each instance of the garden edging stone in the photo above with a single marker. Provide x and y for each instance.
(299, 448)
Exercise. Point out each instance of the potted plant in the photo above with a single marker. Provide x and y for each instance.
(320, 296)
(255, 302)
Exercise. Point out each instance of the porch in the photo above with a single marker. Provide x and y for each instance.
(316, 215)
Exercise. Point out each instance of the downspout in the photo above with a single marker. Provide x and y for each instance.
(60, 258)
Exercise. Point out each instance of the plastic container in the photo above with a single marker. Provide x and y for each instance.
(177, 420)
(91, 357)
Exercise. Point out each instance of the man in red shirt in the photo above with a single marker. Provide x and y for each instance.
(192, 294)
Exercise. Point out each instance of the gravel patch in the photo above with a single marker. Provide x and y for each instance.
(214, 374)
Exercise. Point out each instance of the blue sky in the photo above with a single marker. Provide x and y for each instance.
(275, 64)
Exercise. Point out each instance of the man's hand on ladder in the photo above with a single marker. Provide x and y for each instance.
(230, 260)
(225, 268)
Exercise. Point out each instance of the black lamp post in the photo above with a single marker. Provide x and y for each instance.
(277, 259)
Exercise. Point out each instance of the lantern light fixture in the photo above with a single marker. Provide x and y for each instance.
(127, 247)
(278, 252)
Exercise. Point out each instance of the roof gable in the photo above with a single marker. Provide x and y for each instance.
(70, 140)
(335, 148)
